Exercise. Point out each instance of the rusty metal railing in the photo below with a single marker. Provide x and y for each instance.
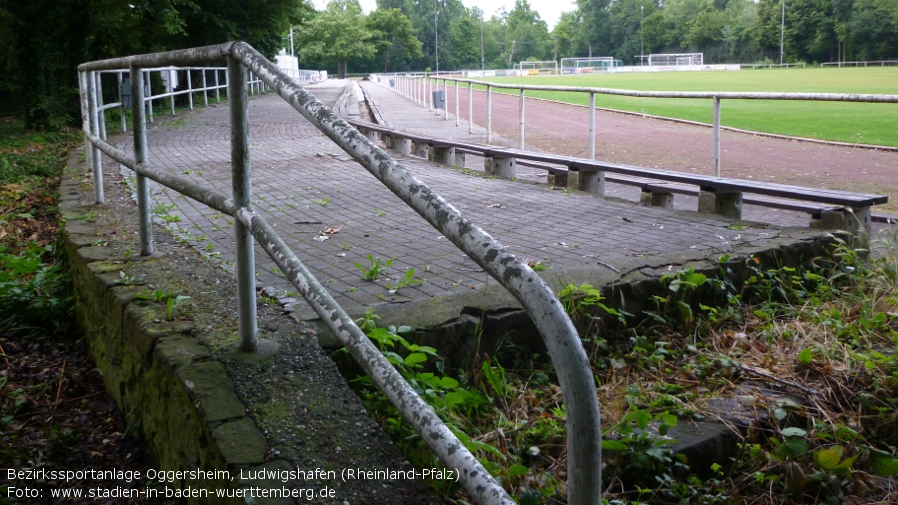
(561, 338)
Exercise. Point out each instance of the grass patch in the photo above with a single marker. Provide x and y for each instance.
(867, 123)
(34, 290)
(826, 335)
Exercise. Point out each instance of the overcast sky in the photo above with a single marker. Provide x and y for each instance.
(549, 10)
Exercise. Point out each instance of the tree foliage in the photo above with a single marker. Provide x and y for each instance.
(339, 33)
(393, 35)
(42, 41)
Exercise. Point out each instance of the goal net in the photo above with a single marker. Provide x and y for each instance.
(685, 59)
(576, 65)
(548, 66)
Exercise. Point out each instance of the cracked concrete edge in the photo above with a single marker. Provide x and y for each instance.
(443, 321)
(162, 378)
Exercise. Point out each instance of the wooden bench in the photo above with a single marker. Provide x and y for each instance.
(829, 209)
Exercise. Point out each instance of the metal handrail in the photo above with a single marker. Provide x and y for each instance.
(409, 87)
(559, 334)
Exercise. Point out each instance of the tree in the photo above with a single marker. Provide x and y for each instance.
(43, 41)
(261, 23)
(567, 31)
(465, 42)
(338, 33)
(529, 31)
(595, 28)
(393, 35)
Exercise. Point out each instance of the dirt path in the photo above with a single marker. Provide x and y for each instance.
(622, 138)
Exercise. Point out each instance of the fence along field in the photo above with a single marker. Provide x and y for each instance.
(861, 123)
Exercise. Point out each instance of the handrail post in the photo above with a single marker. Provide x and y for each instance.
(429, 93)
(189, 89)
(148, 78)
(121, 107)
(145, 223)
(716, 135)
(95, 160)
(456, 103)
(592, 126)
(100, 112)
(205, 89)
(242, 187)
(489, 113)
(217, 88)
(470, 107)
(85, 117)
(521, 106)
(445, 100)
(171, 89)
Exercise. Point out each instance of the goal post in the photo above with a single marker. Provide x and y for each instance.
(550, 66)
(577, 65)
(675, 59)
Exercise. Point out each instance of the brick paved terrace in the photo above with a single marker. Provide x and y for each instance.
(334, 214)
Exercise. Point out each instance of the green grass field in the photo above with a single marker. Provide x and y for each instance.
(866, 123)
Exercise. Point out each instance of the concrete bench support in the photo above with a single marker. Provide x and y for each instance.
(557, 178)
(371, 135)
(445, 156)
(501, 167)
(420, 149)
(856, 221)
(401, 145)
(591, 181)
(726, 204)
(656, 198)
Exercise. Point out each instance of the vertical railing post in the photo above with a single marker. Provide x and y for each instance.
(242, 187)
(592, 126)
(100, 112)
(171, 89)
(144, 218)
(95, 160)
(521, 105)
(189, 89)
(148, 78)
(205, 90)
(716, 134)
(85, 116)
(489, 113)
(457, 98)
(217, 88)
(121, 107)
(430, 92)
(470, 107)
(445, 100)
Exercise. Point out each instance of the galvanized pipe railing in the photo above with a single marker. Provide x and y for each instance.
(714, 96)
(562, 341)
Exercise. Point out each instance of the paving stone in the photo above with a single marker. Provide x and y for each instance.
(305, 186)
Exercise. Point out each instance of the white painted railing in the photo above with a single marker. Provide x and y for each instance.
(418, 89)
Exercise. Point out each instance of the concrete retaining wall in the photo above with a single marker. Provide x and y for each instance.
(159, 374)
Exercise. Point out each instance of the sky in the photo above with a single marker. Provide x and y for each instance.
(549, 10)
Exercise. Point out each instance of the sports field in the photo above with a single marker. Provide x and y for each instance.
(864, 123)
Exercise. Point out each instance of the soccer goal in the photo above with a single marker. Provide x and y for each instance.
(673, 59)
(575, 65)
(548, 66)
